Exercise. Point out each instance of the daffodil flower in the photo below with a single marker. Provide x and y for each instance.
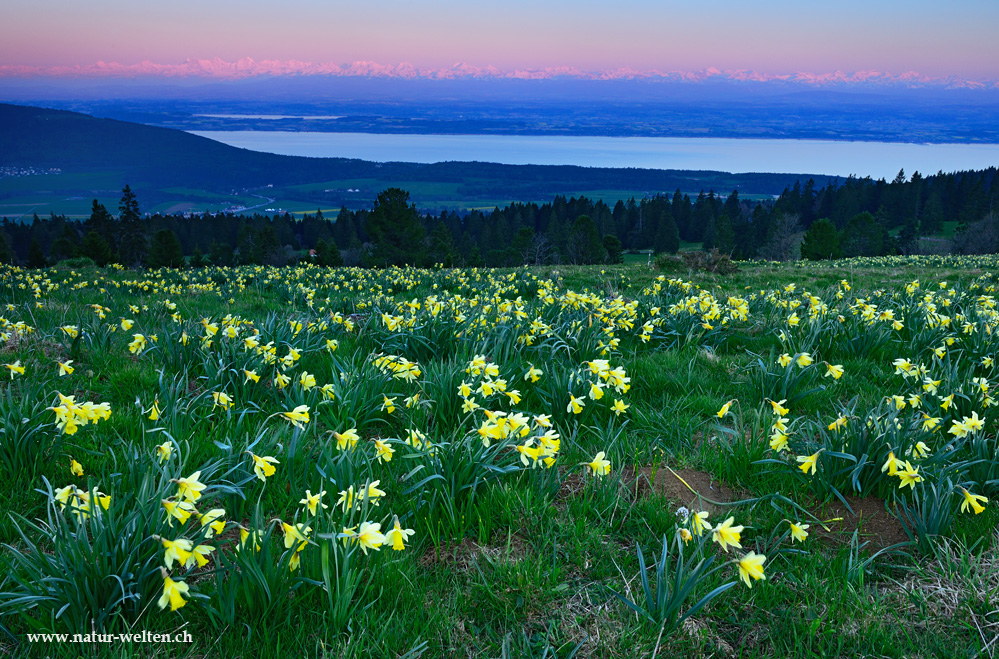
(369, 536)
(909, 476)
(312, 502)
(725, 534)
(599, 466)
(179, 510)
(799, 531)
(397, 535)
(808, 462)
(751, 565)
(263, 467)
(834, 370)
(189, 488)
(347, 439)
(164, 451)
(213, 520)
(699, 522)
(154, 411)
(173, 594)
(973, 500)
(298, 416)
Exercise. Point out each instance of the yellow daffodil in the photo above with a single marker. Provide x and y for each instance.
(263, 467)
(808, 462)
(164, 451)
(383, 452)
(726, 535)
(798, 532)
(369, 536)
(173, 594)
(891, 465)
(313, 502)
(176, 550)
(699, 522)
(298, 416)
(347, 439)
(909, 476)
(213, 519)
(751, 565)
(397, 535)
(189, 488)
(178, 510)
(973, 500)
(296, 536)
(834, 370)
(778, 407)
(599, 466)
(222, 400)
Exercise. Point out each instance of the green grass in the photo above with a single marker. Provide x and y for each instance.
(528, 564)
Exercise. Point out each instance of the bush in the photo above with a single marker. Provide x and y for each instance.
(713, 261)
(76, 263)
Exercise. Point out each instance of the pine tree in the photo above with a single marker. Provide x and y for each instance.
(221, 254)
(65, 246)
(36, 257)
(821, 242)
(102, 223)
(585, 245)
(6, 253)
(441, 245)
(724, 236)
(612, 245)
(96, 248)
(132, 233)
(197, 258)
(667, 237)
(397, 235)
(165, 250)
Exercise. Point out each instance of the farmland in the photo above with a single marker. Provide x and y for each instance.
(789, 460)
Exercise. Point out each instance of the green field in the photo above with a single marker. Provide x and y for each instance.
(71, 195)
(541, 431)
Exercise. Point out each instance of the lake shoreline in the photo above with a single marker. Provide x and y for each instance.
(842, 158)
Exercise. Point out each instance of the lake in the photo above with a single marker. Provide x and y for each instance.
(838, 158)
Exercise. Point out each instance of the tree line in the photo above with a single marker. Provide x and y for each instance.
(857, 217)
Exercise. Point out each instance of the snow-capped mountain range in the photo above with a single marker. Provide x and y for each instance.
(246, 67)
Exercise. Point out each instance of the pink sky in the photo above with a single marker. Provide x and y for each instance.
(768, 37)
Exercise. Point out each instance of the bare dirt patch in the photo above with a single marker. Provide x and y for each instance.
(673, 484)
(870, 517)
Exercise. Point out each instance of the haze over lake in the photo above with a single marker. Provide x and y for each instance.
(838, 158)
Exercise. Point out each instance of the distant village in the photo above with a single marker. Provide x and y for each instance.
(16, 172)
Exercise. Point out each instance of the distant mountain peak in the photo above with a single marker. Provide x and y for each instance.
(248, 67)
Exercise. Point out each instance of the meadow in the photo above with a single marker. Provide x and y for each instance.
(789, 460)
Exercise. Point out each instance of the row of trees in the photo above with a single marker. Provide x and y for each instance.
(857, 217)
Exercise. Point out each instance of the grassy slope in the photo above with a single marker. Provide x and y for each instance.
(534, 570)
